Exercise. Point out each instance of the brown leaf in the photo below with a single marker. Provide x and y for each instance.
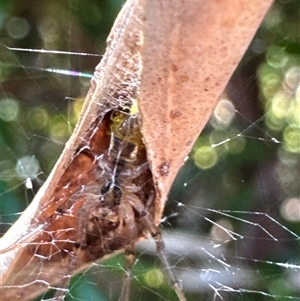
(190, 51)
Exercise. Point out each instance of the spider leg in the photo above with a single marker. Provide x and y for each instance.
(79, 244)
(130, 259)
(160, 248)
(147, 222)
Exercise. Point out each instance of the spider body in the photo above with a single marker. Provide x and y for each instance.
(124, 211)
(108, 204)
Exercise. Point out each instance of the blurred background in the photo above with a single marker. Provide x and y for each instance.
(231, 225)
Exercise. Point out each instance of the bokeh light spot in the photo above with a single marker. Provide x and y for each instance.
(274, 123)
(27, 167)
(205, 157)
(59, 131)
(17, 28)
(38, 118)
(276, 57)
(292, 77)
(220, 231)
(280, 105)
(9, 109)
(49, 30)
(77, 106)
(291, 138)
(224, 112)
(235, 145)
(294, 115)
(154, 277)
(290, 209)
(270, 79)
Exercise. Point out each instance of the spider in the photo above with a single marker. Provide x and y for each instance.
(125, 206)
(105, 202)
(122, 211)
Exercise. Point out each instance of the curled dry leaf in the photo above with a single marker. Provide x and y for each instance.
(174, 58)
(190, 51)
(59, 234)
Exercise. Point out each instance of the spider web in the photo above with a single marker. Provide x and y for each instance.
(231, 224)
